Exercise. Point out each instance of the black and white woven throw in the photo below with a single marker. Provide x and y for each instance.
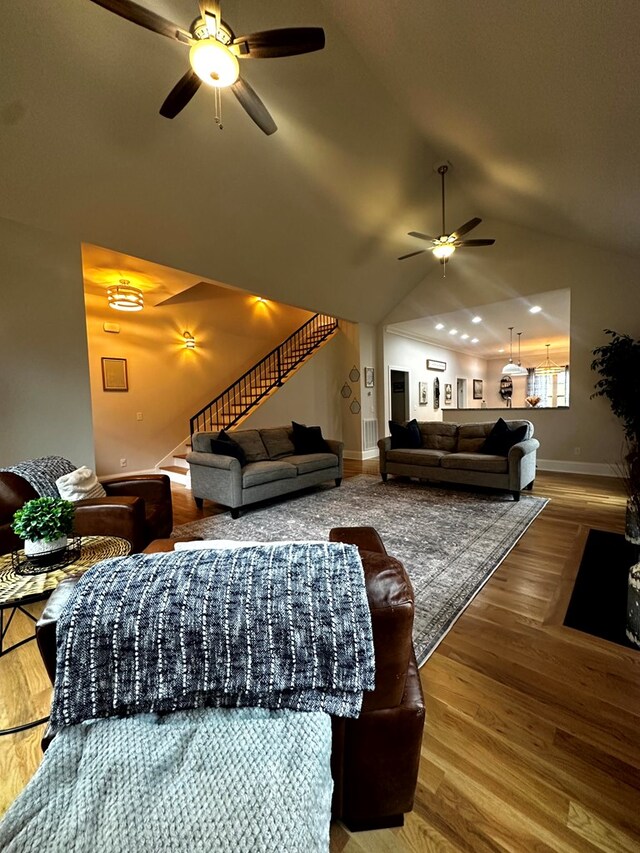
(280, 626)
(42, 473)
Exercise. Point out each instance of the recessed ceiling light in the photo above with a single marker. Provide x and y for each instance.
(476, 319)
(500, 350)
(453, 331)
(439, 325)
(535, 309)
(464, 337)
(474, 340)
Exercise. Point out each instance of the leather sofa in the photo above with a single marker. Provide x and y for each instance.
(449, 454)
(375, 758)
(137, 508)
(273, 468)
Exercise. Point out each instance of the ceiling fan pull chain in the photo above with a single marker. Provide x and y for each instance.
(217, 98)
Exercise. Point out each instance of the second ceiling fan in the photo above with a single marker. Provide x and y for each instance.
(214, 54)
(446, 244)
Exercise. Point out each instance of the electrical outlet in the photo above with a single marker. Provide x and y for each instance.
(576, 451)
(123, 463)
(138, 416)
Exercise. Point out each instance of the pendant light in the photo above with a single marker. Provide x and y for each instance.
(521, 371)
(548, 367)
(510, 367)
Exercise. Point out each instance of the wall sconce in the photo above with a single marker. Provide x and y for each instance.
(124, 297)
(189, 340)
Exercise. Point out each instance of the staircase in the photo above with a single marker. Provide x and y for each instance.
(253, 388)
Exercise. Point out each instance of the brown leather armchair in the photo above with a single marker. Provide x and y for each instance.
(136, 508)
(374, 759)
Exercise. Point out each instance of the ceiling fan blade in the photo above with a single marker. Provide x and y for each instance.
(422, 236)
(411, 254)
(467, 243)
(145, 18)
(254, 106)
(464, 229)
(210, 9)
(290, 41)
(180, 95)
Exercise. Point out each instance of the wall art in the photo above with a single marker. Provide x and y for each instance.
(422, 393)
(114, 374)
(477, 389)
(448, 394)
(436, 393)
(368, 377)
(432, 364)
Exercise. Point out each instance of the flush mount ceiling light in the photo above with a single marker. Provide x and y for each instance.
(124, 297)
(214, 54)
(445, 245)
(511, 367)
(548, 367)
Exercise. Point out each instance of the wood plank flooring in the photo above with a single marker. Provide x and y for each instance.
(532, 738)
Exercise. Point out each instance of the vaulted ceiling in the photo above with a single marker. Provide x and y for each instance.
(534, 104)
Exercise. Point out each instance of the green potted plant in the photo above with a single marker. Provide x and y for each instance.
(44, 524)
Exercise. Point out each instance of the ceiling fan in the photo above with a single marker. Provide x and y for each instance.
(446, 244)
(214, 54)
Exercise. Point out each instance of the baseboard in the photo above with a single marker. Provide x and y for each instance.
(361, 455)
(564, 466)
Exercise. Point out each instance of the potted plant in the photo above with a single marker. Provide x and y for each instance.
(44, 524)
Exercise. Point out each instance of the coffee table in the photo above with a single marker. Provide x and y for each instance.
(25, 585)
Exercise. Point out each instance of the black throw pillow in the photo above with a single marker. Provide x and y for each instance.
(223, 445)
(308, 439)
(502, 438)
(405, 436)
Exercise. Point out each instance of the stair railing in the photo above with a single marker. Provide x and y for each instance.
(270, 372)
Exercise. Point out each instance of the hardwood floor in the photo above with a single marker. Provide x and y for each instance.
(532, 736)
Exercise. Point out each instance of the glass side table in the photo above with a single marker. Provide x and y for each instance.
(22, 583)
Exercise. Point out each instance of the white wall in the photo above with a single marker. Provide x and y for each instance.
(44, 380)
(410, 354)
(604, 294)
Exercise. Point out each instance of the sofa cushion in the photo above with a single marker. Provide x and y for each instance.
(252, 444)
(257, 473)
(476, 462)
(308, 439)
(416, 456)
(226, 446)
(471, 437)
(502, 437)
(405, 436)
(308, 462)
(437, 435)
(278, 442)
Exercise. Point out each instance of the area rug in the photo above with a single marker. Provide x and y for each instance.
(449, 540)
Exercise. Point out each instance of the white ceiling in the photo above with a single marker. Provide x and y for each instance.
(551, 326)
(535, 104)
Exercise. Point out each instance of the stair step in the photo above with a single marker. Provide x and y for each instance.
(180, 455)
(174, 469)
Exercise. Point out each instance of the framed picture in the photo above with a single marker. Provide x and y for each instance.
(432, 364)
(477, 389)
(368, 377)
(114, 374)
(422, 393)
(448, 394)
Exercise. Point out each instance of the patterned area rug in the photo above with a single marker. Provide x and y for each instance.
(450, 541)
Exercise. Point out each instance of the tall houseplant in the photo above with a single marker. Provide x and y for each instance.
(618, 363)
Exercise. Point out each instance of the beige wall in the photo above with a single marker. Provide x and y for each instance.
(44, 380)
(604, 294)
(168, 383)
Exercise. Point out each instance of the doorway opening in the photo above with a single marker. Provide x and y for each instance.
(399, 387)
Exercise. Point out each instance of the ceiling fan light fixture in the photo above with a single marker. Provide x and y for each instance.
(443, 250)
(214, 63)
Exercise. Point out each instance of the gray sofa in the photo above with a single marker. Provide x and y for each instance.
(273, 467)
(449, 454)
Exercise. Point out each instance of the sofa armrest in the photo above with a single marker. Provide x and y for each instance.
(155, 488)
(384, 444)
(336, 447)
(213, 460)
(112, 516)
(366, 538)
(522, 448)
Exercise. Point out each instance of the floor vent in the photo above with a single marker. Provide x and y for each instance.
(370, 434)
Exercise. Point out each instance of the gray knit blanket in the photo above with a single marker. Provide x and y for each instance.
(244, 780)
(42, 473)
(275, 626)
